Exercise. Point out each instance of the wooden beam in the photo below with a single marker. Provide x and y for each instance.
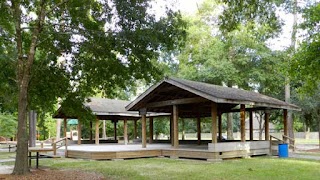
(285, 122)
(115, 129)
(251, 125)
(135, 130)
(243, 122)
(199, 130)
(266, 125)
(175, 127)
(171, 129)
(64, 127)
(150, 129)
(97, 131)
(104, 133)
(220, 126)
(176, 102)
(91, 135)
(79, 132)
(125, 131)
(144, 130)
(214, 113)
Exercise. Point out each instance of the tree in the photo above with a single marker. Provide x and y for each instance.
(71, 48)
(8, 125)
(237, 58)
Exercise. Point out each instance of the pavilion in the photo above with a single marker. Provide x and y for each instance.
(106, 109)
(189, 99)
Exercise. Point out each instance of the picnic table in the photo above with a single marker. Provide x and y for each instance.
(37, 150)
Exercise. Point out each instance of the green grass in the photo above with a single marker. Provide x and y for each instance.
(165, 168)
(7, 155)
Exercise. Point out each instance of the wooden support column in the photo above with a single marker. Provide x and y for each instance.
(214, 123)
(150, 129)
(97, 131)
(199, 130)
(175, 127)
(171, 129)
(220, 126)
(266, 125)
(251, 125)
(285, 122)
(125, 131)
(79, 132)
(104, 133)
(135, 129)
(144, 130)
(91, 134)
(115, 129)
(243, 122)
(65, 127)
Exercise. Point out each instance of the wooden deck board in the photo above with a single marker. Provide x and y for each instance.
(116, 151)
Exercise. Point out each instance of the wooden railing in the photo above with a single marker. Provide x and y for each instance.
(291, 142)
(275, 138)
(58, 144)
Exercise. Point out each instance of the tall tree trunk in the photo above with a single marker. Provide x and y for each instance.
(287, 81)
(23, 76)
(32, 128)
(229, 126)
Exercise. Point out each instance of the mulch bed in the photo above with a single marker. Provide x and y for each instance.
(48, 174)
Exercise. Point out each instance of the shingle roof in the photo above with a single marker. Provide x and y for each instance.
(219, 94)
(109, 109)
(103, 106)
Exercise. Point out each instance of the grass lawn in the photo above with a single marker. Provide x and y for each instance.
(165, 168)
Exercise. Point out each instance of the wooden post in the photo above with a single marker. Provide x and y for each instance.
(243, 122)
(183, 132)
(65, 127)
(171, 129)
(266, 125)
(125, 131)
(54, 147)
(150, 129)
(214, 122)
(144, 130)
(220, 126)
(135, 129)
(91, 135)
(175, 127)
(97, 131)
(115, 129)
(79, 132)
(285, 122)
(104, 134)
(251, 125)
(199, 130)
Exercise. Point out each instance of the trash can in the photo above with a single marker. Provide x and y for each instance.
(283, 150)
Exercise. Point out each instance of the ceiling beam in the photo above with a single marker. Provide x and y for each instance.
(176, 102)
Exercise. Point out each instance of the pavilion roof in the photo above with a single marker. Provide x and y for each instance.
(174, 91)
(108, 109)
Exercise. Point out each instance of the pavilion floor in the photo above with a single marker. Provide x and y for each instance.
(207, 152)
